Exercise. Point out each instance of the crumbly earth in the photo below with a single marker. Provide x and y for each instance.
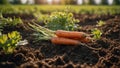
(44, 54)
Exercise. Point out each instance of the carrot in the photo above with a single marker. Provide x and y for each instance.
(70, 34)
(65, 41)
(85, 40)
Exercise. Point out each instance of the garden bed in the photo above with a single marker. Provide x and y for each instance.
(47, 55)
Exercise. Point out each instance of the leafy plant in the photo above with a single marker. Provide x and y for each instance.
(15, 21)
(10, 21)
(100, 23)
(61, 20)
(9, 41)
(96, 33)
(40, 17)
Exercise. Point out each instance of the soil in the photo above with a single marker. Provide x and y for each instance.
(44, 54)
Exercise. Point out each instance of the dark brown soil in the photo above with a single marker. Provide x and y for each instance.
(43, 54)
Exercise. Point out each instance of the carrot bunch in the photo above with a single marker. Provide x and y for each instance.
(60, 36)
(70, 37)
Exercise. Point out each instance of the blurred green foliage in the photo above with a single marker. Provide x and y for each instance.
(10, 22)
(30, 9)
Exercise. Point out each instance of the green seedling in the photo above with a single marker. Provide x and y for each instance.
(10, 21)
(61, 20)
(100, 23)
(9, 41)
(96, 33)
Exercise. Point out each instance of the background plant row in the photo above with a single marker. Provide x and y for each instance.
(73, 8)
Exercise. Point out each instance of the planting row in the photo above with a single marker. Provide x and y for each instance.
(75, 9)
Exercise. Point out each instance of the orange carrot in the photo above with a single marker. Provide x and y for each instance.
(70, 34)
(65, 41)
(85, 40)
